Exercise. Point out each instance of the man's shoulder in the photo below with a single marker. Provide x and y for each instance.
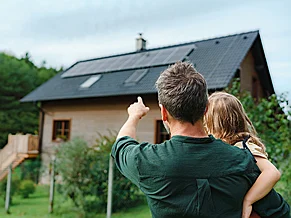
(130, 143)
(228, 148)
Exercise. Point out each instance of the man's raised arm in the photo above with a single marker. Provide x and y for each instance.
(123, 150)
(135, 112)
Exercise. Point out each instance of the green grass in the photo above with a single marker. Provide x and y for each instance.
(141, 211)
(36, 206)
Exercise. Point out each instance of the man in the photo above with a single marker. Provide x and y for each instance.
(192, 174)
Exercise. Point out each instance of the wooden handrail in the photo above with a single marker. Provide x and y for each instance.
(17, 144)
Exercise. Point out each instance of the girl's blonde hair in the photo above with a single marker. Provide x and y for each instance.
(226, 119)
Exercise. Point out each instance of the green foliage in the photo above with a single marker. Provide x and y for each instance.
(15, 184)
(18, 77)
(26, 188)
(271, 118)
(283, 186)
(84, 172)
(30, 169)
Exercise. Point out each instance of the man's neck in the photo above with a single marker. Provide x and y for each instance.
(187, 129)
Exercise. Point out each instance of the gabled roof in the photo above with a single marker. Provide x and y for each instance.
(216, 59)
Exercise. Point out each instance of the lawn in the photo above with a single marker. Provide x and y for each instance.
(36, 206)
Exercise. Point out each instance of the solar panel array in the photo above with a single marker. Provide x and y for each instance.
(130, 61)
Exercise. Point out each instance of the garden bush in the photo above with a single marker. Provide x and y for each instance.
(84, 173)
(26, 188)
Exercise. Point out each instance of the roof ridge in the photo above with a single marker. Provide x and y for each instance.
(167, 46)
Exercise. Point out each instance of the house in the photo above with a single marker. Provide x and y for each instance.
(92, 95)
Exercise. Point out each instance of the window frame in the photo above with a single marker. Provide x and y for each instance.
(54, 137)
(90, 81)
(136, 77)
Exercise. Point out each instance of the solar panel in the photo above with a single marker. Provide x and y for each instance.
(145, 56)
(119, 62)
(86, 68)
(171, 53)
(161, 57)
(105, 64)
(96, 65)
(148, 58)
(179, 54)
(77, 69)
(130, 61)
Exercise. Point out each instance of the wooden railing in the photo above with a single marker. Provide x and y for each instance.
(17, 149)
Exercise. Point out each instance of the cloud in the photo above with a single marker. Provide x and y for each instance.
(53, 21)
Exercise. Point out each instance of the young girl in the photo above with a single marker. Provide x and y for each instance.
(227, 120)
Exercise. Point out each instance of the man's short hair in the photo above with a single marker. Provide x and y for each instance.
(183, 92)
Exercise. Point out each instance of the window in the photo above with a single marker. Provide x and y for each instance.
(89, 82)
(161, 132)
(61, 130)
(135, 77)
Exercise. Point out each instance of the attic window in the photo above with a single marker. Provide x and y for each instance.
(135, 77)
(89, 82)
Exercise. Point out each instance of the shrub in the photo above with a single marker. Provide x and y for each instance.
(283, 186)
(26, 188)
(84, 172)
(30, 169)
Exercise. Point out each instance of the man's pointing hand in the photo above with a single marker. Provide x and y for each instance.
(138, 109)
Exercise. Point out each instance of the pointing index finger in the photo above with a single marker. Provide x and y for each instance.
(139, 100)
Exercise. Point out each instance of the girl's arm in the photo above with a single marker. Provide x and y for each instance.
(269, 176)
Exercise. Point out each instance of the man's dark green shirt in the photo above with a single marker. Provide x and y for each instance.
(194, 177)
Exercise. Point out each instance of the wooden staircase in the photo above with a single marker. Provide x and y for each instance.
(18, 149)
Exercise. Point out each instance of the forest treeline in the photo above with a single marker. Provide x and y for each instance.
(18, 77)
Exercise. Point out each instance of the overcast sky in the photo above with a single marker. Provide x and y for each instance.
(62, 32)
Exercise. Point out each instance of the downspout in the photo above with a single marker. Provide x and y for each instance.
(40, 134)
(40, 129)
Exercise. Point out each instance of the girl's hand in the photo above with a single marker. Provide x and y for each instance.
(247, 210)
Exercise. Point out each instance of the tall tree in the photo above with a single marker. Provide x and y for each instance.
(18, 77)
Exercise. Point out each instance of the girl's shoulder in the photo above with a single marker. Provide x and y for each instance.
(255, 149)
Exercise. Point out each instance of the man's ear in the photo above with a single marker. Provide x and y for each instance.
(164, 112)
(206, 108)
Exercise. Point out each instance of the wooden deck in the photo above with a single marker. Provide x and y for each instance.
(18, 149)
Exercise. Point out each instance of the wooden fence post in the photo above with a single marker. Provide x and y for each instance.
(110, 187)
(52, 186)
(8, 189)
